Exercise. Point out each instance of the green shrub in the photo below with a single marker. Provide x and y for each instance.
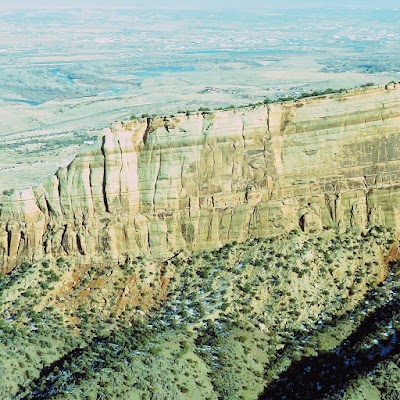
(368, 84)
(9, 192)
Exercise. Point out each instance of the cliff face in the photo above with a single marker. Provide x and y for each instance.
(197, 182)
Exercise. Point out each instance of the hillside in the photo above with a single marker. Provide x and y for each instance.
(250, 253)
(217, 325)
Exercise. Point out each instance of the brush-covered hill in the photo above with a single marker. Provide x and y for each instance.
(269, 318)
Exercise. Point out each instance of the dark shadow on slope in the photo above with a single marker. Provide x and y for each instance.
(50, 370)
(331, 373)
(80, 363)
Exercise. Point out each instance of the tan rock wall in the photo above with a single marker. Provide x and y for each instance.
(197, 182)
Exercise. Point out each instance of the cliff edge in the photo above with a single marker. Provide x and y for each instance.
(195, 182)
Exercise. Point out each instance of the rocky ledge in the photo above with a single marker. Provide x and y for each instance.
(156, 186)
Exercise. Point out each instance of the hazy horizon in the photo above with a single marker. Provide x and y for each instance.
(182, 4)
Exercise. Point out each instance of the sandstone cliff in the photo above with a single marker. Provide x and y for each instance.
(193, 182)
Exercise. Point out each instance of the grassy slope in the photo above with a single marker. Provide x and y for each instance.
(209, 325)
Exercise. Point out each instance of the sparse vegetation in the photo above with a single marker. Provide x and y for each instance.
(218, 325)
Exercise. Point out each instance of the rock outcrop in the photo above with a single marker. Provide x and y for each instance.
(195, 182)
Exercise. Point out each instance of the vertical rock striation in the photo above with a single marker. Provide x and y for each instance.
(194, 182)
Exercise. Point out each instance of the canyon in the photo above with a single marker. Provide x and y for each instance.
(197, 181)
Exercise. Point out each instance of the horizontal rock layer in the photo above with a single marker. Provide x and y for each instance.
(197, 182)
